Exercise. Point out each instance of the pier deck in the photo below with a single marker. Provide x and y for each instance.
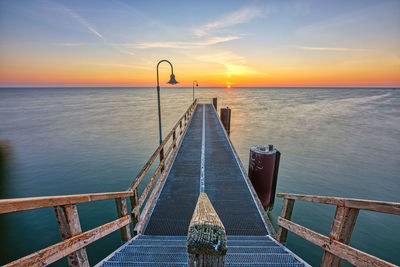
(221, 178)
(204, 162)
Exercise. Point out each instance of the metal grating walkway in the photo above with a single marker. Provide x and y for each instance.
(224, 183)
(171, 251)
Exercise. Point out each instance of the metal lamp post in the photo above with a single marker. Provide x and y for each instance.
(171, 81)
(197, 84)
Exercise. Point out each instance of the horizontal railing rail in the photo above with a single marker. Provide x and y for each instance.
(159, 150)
(205, 100)
(29, 203)
(336, 245)
(55, 252)
(74, 241)
(363, 204)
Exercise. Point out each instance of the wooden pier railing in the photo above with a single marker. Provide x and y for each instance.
(65, 207)
(336, 245)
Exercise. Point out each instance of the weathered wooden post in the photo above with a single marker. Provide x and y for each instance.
(69, 225)
(286, 213)
(135, 211)
(342, 228)
(206, 240)
(161, 158)
(174, 137)
(122, 211)
(226, 119)
(215, 103)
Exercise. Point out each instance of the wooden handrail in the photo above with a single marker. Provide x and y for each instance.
(70, 245)
(336, 245)
(153, 178)
(145, 213)
(362, 204)
(352, 255)
(135, 183)
(29, 203)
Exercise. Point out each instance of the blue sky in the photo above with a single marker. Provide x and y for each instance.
(235, 42)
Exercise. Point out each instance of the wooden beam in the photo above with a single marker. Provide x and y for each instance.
(152, 198)
(122, 211)
(342, 227)
(135, 183)
(55, 252)
(151, 201)
(174, 137)
(287, 209)
(69, 226)
(161, 159)
(135, 213)
(153, 178)
(29, 203)
(350, 254)
(206, 241)
(362, 204)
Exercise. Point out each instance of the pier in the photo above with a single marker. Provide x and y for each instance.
(198, 208)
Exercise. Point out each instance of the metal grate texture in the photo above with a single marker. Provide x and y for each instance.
(224, 184)
(175, 205)
(171, 251)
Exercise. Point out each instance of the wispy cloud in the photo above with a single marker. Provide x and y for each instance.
(331, 49)
(92, 29)
(82, 21)
(234, 64)
(186, 45)
(237, 17)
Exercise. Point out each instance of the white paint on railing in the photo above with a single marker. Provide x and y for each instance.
(203, 151)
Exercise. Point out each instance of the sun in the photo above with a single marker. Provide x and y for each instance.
(228, 86)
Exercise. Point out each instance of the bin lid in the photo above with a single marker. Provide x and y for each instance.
(263, 149)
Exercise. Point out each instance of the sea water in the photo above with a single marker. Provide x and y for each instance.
(334, 141)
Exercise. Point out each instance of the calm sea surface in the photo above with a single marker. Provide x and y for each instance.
(338, 142)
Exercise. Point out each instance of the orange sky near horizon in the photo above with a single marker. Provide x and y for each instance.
(298, 44)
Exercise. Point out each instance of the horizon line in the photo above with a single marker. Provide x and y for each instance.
(137, 86)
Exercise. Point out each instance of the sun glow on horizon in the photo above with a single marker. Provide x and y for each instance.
(247, 45)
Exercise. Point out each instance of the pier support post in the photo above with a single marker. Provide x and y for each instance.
(69, 225)
(342, 228)
(226, 119)
(215, 103)
(206, 240)
(286, 213)
(135, 212)
(174, 137)
(122, 211)
(161, 158)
